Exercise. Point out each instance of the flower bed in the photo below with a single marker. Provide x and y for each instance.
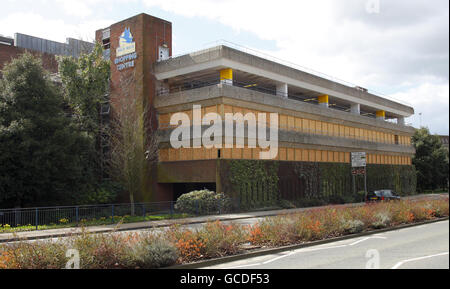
(179, 245)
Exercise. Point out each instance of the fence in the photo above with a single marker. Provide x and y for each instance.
(102, 214)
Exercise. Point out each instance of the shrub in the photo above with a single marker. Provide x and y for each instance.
(212, 240)
(102, 251)
(6, 262)
(352, 226)
(273, 231)
(37, 255)
(220, 239)
(155, 254)
(383, 220)
(190, 247)
(441, 208)
(203, 202)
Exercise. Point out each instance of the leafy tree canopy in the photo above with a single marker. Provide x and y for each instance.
(86, 83)
(431, 161)
(42, 154)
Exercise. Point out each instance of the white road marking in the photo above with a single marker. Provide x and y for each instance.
(417, 259)
(306, 250)
(365, 239)
(278, 258)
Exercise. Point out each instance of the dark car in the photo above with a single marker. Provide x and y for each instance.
(382, 195)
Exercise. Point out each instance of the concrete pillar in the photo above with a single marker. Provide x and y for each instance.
(401, 120)
(226, 76)
(356, 108)
(282, 90)
(323, 100)
(162, 88)
(381, 115)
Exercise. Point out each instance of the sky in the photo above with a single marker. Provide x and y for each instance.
(398, 48)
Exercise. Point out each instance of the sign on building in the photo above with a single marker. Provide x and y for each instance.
(359, 160)
(358, 171)
(126, 52)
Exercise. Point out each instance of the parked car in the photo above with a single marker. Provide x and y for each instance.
(382, 195)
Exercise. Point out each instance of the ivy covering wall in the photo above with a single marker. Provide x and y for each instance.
(252, 184)
(256, 184)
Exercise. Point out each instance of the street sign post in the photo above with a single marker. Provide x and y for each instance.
(359, 164)
(359, 160)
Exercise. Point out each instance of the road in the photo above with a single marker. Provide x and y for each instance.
(421, 247)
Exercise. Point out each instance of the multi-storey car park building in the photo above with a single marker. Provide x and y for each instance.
(321, 121)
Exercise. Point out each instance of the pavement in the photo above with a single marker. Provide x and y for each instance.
(419, 247)
(242, 218)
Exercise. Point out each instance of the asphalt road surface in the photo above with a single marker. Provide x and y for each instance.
(421, 247)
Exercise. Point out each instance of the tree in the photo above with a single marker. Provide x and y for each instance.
(431, 161)
(134, 143)
(42, 154)
(85, 83)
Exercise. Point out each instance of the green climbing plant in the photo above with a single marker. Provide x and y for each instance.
(254, 182)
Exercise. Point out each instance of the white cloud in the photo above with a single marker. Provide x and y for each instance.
(430, 100)
(52, 29)
(76, 7)
(403, 48)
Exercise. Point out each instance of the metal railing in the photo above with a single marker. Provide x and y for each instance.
(66, 216)
(251, 86)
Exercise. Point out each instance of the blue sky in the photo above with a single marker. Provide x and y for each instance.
(399, 48)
